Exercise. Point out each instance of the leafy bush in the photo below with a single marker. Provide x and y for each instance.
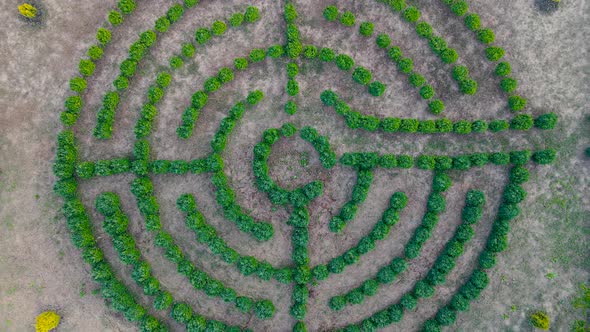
(460, 8)
(327, 54)
(411, 14)
(252, 14)
(218, 28)
(264, 309)
(366, 29)
(503, 69)
(347, 19)
(494, 53)
(508, 84)
(468, 86)
(257, 55)
(522, 122)
(424, 29)
(202, 35)
(460, 73)
(86, 67)
(126, 6)
(115, 17)
(427, 92)
(362, 75)
(544, 157)
(162, 24)
(406, 65)
(449, 55)
(516, 103)
(486, 36)
(540, 320)
(546, 121)
(344, 62)
(236, 19)
(331, 13)
(436, 106)
(472, 22)
(395, 53)
(103, 36)
(241, 63)
(376, 88)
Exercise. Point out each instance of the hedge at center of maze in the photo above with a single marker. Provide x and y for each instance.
(69, 170)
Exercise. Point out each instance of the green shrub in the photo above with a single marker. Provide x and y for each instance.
(503, 69)
(86, 67)
(115, 17)
(516, 103)
(460, 8)
(472, 22)
(218, 28)
(344, 62)
(546, 121)
(460, 73)
(202, 35)
(494, 53)
(366, 29)
(424, 29)
(327, 54)
(103, 36)
(264, 309)
(290, 13)
(347, 18)
(498, 125)
(162, 24)
(540, 320)
(236, 19)
(383, 40)
(427, 92)
(411, 14)
(362, 75)
(126, 6)
(337, 303)
(241, 63)
(522, 122)
(446, 316)
(78, 84)
(449, 55)
(436, 106)
(395, 53)
(181, 312)
(376, 88)
(437, 44)
(508, 84)
(331, 13)
(462, 127)
(544, 157)
(257, 55)
(409, 302)
(406, 65)
(486, 36)
(468, 86)
(252, 14)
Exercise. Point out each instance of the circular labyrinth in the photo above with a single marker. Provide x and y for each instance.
(306, 210)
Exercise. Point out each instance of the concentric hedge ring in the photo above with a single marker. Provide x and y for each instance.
(70, 170)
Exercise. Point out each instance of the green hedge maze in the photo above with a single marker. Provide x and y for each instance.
(113, 228)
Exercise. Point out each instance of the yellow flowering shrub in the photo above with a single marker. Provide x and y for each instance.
(46, 321)
(27, 10)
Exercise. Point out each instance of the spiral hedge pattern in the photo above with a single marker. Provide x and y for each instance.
(70, 169)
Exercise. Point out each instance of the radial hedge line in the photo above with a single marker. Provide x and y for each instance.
(357, 120)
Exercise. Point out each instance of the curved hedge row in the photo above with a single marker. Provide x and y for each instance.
(225, 75)
(105, 117)
(205, 233)
(493, 53)
(444, 264)
(404, 64)
(224, 195)
(359, 195)
(298, 197)
(497, 242)
(356, 120)
(115, 225)
(437, 44)
(380, 230)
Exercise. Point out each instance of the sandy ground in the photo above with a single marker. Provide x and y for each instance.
(548, 255)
